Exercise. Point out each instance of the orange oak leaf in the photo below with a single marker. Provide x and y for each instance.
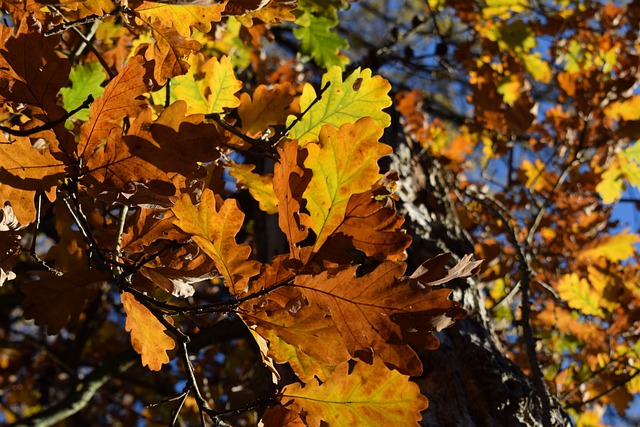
(147, 227)
(296, 332)
(266, 108)
(371, 225)
(214, 225)
(119, 100)
(174, 142)
(58, 300)
(169, 53)
(23, 170)
(148, 336)
(279, 416)
(289, 182)
(89, 7)
(177, 272)
(144, 161)
(372, 311)
(32, 73)
(343, 163)
(371, 395)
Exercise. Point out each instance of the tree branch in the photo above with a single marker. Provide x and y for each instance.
(81, 395)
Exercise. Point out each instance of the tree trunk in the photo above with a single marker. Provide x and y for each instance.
(468, 380)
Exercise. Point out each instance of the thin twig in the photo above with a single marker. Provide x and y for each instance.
(49, 125)
(526, 273)
(317, 99)
(61, 28)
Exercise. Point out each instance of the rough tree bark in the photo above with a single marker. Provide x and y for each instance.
(468, 380)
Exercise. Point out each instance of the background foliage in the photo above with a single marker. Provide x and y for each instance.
(196, 190)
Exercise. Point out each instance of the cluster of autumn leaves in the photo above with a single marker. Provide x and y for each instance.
(159, 168)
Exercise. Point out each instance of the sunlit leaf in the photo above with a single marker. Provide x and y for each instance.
(371, 395)
(360, 95)
(343, 163)
(260, 186)
(616, 247)
(214, 92)
(85, 80)
(214, 225)
(318, 42)
(148, 336)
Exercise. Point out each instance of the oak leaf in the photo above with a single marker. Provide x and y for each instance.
(213, 93)
(343, 163)
(183, 18)
(290, 179)
(279, 416)
(148, 336)
(379, 313)
(89, 7)
(271, 13)
(360, 95)
(296, 333)
(371, 395)
(214, 225)
(32, 73)
(144, 162)
(58, 300)
(624, 167)
(267, 107)
(579, 294)
(371, 225)
(260, 186)
(168, 53)
(86, 79)
(121, 98)
(617, 247)
(23, 170)
(318, 42)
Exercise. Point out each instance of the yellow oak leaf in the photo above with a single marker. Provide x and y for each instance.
(213, 93)
(580, 295)
(360, 95)
(344, 163)
(538, 179)
(371, 395)
(615, 248)
(628, 109)
(260, 186)
(148, 336)
(510, 88)
(213, 225)
(182, 17)
(537, 67)
(89, 7)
